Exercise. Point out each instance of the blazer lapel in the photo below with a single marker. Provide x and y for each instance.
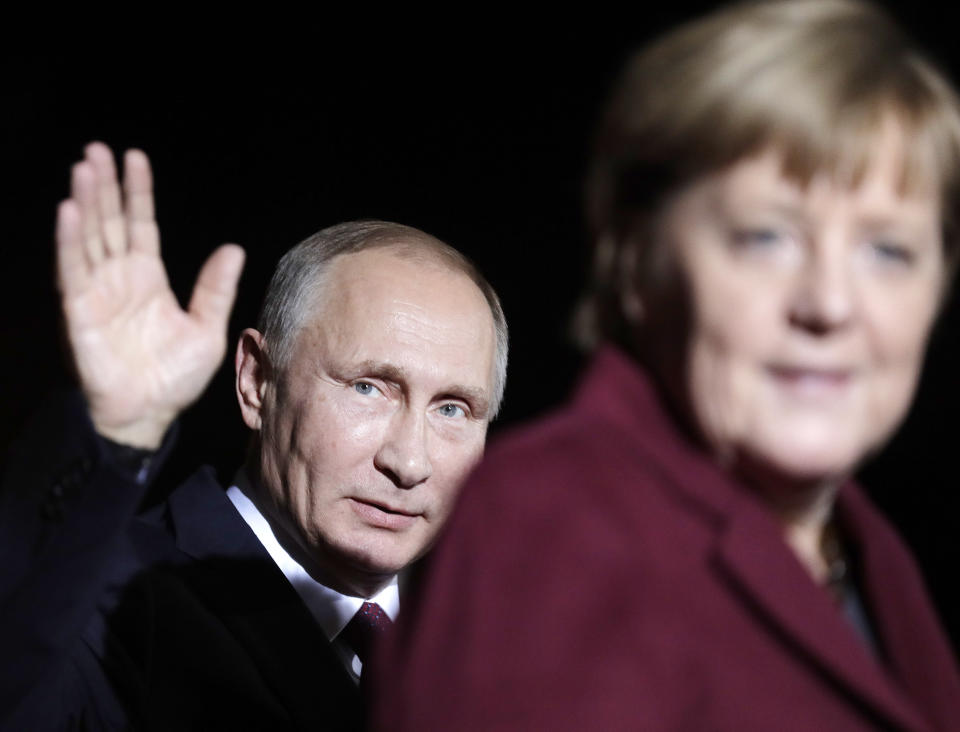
(778, 586)
(244, 588)
(750, 546)
(913, 642)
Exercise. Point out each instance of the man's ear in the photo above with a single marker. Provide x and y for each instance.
(253, 376)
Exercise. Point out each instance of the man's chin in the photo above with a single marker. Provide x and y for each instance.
(375, 564)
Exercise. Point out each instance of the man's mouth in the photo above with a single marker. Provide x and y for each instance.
(381, 515)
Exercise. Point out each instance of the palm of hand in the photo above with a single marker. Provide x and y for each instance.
(136, 351)
(141, 359)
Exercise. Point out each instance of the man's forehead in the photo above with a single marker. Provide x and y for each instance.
(384, 282)
(369, 265)
(406, 317)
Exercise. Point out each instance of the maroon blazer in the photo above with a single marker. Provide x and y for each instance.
(600, 572)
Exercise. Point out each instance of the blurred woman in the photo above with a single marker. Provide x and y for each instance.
(772, 203)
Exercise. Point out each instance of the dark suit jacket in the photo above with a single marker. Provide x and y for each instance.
(177, 619)
(601, 573)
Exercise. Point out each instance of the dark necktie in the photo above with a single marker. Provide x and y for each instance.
(364, 628)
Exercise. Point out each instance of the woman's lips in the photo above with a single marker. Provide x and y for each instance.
(812, 382)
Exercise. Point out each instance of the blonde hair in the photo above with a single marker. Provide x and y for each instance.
(816, 80)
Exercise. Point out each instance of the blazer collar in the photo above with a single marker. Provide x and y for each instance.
(241, 585)
(774, 583)
(913, 641)
(749, 546)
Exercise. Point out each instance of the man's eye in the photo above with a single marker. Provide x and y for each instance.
(365, 388)
(452, 410)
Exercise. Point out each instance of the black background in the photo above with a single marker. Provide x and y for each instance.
(263, 129)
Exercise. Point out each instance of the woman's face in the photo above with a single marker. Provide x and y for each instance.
(809, 310)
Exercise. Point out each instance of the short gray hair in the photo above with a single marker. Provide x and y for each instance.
(294, 289)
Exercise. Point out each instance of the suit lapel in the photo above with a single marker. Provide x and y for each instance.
(241, 585)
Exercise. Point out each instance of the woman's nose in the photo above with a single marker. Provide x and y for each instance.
(823, 298)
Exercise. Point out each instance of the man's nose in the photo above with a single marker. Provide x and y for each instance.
(823, 299)
(403, 455)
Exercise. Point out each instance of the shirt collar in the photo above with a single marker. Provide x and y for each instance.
(331, 609)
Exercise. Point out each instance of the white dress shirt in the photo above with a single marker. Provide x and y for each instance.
(331, 609)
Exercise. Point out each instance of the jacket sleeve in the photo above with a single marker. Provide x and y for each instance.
(65, 505)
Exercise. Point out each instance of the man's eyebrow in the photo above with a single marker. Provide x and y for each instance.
(476, 397)
(380, 369)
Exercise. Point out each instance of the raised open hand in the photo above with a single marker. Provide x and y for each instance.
(140, 357)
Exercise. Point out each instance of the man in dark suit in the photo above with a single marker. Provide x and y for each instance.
(377, 364)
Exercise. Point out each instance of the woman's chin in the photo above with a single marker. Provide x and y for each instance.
(799, 466)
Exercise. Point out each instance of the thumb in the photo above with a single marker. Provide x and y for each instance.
(216, 287)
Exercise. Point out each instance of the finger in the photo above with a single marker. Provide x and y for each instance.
(216, 287)
(84, 192)
(142, 232)
(112, 225)
(72, 269)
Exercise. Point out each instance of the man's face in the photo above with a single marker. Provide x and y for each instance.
(381, 413)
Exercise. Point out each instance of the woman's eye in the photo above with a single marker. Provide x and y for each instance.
(452, 410)
(758, 237)
(365, 388)
(892, 252)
